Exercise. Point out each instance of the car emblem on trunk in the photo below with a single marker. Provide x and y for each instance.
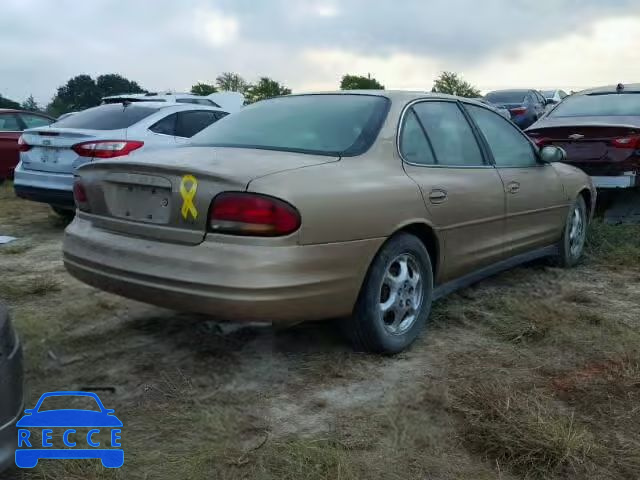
(576, 136)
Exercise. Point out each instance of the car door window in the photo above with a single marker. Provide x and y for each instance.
(166, 126)
(9, 123)
(510, 148)
(33, 121)
(414, 146)
(449, 133)
(190, 123)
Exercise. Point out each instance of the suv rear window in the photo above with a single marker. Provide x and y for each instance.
(506, 97)
(606, 105)
(332, 124)
(198, 101)
(107, 117)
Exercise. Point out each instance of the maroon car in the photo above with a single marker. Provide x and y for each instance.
(12, 123)
(600, 131)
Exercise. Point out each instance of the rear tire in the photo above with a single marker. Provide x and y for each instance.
(64, 213)
(574, 235)
(395, 300)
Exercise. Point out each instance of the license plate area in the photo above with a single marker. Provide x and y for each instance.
(49, 154)
(584, 151)
(141, 203)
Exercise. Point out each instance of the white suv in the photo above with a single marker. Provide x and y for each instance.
(229, 101)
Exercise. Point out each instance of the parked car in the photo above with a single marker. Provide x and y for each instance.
(229, 101)
(600, 131)
(554, 96)
(50, 155)
(525, 106)
(341, 205)
(11, 388)
(501, 110)
(12, 123)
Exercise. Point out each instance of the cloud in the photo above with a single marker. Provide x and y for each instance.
(310, 44)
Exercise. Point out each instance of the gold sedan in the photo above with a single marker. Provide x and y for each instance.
(363, 206)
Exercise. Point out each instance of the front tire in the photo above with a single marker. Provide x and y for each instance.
(395, 300)
(574, 235)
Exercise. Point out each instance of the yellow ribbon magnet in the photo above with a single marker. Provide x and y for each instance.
(188, 194)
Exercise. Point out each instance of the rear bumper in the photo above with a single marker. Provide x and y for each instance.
(230, 281)
(59, 198)
(621, 181)
(45, 187)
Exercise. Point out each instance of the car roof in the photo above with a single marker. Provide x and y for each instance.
(166, 105)
(399, 95)
(628, 88)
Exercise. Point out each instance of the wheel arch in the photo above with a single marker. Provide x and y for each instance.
(427, 235)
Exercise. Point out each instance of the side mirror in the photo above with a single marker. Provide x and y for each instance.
(550, 101)
(551, 154)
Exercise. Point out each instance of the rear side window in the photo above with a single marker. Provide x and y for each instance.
(606, 105)
(510, 148)
(413, 144)
(450, 134)
(190, 123)
(9, 123)
(198, 101)
(326, 124)
(107, 117)
(166, 126)
(33, 121)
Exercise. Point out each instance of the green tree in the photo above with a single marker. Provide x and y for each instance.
(203, 89)
(114, 84)
(265, 88)
(451, 83)
(6, 103)
(82, 92)
(30, 104)
(357, 82)
(231, 82)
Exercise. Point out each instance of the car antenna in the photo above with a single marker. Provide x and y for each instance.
(620, 88)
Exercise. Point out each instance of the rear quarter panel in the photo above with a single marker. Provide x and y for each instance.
(575, 181)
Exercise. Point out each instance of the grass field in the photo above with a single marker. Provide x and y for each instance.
(532, 374)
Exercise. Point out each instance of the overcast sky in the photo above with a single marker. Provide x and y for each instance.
(309, 45)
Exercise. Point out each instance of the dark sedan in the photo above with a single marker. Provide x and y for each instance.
(11, 401)
(526, 106)
(600, 131)
(12, 123)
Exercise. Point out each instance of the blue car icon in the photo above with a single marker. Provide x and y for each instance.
(69, 419)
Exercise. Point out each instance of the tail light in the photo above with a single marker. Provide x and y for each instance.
(80, 195)
(240, 213)
(539, 140)
(518, 110)
(631, 142)
(107, 149)
(23, 146)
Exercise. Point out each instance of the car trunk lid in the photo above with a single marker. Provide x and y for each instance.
(590, 143)
(166, 195)
(51, 148)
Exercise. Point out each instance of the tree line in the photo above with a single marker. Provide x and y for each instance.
(82, 91)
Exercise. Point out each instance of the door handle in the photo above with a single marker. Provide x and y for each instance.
(513, 187)
(437, 196)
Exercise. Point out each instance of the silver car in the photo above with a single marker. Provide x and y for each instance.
(11, 388)
(50, 155)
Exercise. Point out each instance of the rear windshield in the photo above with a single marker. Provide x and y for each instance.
(611, 104)
(107, 117)
(320, 124)
(506, 97)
